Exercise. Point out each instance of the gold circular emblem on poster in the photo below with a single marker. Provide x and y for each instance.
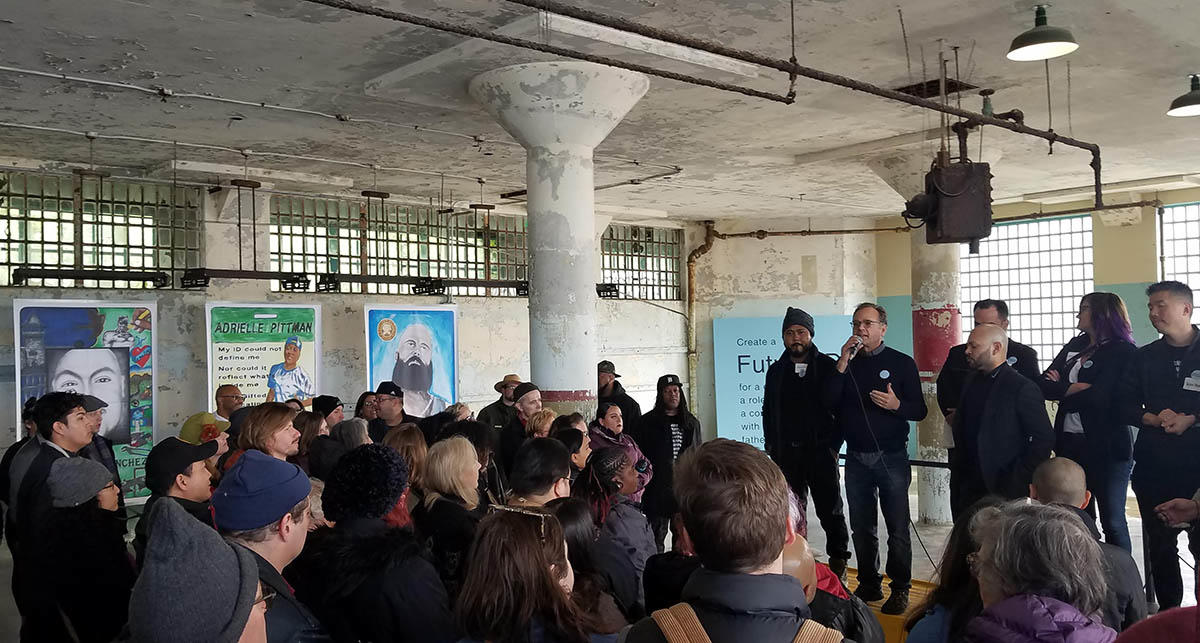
(386, 330)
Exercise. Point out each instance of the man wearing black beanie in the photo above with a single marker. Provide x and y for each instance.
(800, 433)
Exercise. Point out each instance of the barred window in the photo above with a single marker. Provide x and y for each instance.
(352, 237)
(643, 262)
(1041, 269)
(1179, 243)
(123, 225)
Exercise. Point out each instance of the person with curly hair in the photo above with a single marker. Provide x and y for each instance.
(606, 484)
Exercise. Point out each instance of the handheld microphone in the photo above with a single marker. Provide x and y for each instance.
(858, 344)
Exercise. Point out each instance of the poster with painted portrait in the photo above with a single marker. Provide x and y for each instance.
(417, 348)
(268, 352)
(99, 348)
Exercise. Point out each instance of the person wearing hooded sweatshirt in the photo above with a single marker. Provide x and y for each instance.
(1041, 577)
(665, 433)
(195, 586)
(363, 579)
(800, 433)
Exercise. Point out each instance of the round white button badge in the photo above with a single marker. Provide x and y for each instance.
(884, 374)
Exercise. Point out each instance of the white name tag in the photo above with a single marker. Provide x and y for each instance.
(801, 369)
(1191, 384)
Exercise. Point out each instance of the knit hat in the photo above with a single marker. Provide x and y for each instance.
(524, 388)
(202, 427)
(74, 481)
(323, 405)
(171, 457)
(797, 317)
(194, 585)
(365, 483)
(258, 491)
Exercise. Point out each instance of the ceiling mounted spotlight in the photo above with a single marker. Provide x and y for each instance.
(1043, 42)
(1189, 103)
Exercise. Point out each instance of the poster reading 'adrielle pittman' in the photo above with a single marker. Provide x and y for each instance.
(417, 348)
(271, 352)
(99, 348)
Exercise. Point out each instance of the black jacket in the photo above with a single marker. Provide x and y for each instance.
(631, 411)
(732, 608)
(5, 469)
(512, 437)
(653, 435)
(1125, 603)
(1014, 435)
(1153, 385)
(201, 511)
(850, 616)
(323, 453)
(83, 572)
(1102, 408)
(867, 427)
(447, 528)
(288, 620)
(497, 414)
(666, 576)
(953, 376)
(366, 581)
(817, 427)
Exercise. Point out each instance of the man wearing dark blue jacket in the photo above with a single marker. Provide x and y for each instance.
(875, 392)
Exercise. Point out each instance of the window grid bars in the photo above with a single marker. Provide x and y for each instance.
(1179, 246)
(643, 262)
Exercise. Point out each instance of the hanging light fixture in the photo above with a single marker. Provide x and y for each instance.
(1189, 103)
(1043, 42)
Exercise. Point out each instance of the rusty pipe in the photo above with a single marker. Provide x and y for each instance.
(710, 236)
(763, 234)
(1152, 203)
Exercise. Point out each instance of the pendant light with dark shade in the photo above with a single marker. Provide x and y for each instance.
(1042, 42)
(1189, 103)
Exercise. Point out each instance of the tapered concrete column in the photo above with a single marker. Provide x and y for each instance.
(936, 328)
(560, 111)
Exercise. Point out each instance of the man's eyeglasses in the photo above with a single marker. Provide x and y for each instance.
(865, 323)
(540, 515)
(240, 398)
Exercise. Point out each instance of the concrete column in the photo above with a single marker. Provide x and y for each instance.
(936, 328)
(560, 111)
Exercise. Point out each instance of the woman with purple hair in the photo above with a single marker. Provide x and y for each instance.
(1091, 427)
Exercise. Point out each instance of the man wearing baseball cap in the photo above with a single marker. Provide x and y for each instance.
(664, 434)
(608, 389)
(500, 413)
(389, 400)
(262, 505)
(288, 379)
(175, 469)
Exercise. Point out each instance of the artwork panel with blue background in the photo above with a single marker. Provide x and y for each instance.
(96, 348)
(743, 349)
(385, 328)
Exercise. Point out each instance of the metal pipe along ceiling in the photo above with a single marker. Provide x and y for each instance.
(789, 67)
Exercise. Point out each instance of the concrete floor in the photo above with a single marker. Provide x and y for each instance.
(933, 536)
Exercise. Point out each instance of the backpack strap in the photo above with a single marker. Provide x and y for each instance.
(680, 625)
(813, 632)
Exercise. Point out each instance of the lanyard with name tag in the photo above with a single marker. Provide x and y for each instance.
(801, 370)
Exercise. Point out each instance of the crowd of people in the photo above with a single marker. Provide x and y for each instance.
(295, 521)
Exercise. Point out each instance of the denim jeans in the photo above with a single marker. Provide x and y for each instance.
(1108, 480)
(881, 480)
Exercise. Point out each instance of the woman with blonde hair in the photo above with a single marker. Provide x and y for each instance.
(539, 424)
(446, 519)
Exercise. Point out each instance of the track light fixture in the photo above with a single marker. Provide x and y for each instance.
(1042, 42)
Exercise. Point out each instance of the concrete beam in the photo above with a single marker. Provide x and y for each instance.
(868, 147)
(164, 170)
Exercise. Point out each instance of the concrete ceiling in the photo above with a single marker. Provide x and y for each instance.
(738, 154)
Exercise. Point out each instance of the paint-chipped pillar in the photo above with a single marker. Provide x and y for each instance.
(560, 111)
(936, 328)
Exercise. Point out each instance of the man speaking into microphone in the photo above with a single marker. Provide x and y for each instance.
(875, 392)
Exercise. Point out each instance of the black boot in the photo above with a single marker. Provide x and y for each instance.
(897, 603)
(869, 594)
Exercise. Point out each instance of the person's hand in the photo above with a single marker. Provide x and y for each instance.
(1166, 415)
(847, 348)
(886, 399)
(1178, 423)
(1051, 375)
(1178, 511)
(1077, 387)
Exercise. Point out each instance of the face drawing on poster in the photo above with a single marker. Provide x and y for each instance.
(102, 372)
(413, 371)
(287, 379)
